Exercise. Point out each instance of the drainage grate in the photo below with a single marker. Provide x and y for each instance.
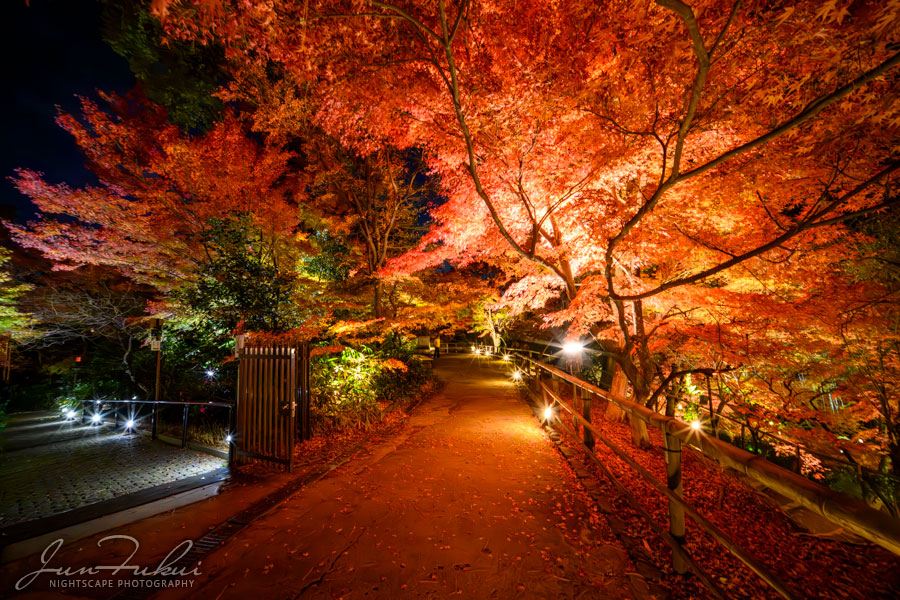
(201, 547)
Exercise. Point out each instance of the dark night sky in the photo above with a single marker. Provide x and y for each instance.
(52, 50)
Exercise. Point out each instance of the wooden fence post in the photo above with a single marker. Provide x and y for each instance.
(586, 414)
(674, 483)
(575, 408)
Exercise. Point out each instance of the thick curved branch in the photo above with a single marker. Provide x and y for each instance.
(781, 239)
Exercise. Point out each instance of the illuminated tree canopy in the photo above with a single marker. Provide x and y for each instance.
(698, 186)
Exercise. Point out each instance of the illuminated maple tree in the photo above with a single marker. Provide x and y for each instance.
(157, 191)
(647, 171)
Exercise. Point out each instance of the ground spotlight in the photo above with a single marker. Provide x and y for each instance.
(70, 414)
(506, 357)
(548, 413)
(95, 418)
(129, 424)
(228, 439)
(695, 425)
(210, 372)
(517, 375)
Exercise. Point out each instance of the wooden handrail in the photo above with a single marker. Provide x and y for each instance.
(743, 555)
(853, 515)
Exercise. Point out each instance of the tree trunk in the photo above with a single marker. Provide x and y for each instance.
(618, 390)
(377, 302)
(639, 434)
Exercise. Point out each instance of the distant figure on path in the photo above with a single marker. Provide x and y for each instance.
(437, 347)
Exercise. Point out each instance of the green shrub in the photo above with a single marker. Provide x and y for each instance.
(356, 386)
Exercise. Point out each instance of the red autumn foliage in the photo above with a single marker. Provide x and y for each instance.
(157, 189)
(685, 182)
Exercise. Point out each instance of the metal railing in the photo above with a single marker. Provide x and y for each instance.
(97, 417)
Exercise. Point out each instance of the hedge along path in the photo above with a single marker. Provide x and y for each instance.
(471, 498)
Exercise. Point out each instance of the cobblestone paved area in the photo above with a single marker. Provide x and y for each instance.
(45, 480)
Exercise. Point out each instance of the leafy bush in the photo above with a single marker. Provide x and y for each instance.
(356, 387)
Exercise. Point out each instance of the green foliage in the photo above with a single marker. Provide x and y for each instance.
(179, 75)
(191, 347)
(355, 387)
(333, 262)
(13, 321)
(397, 384)
(345, 386)
(246, 279)
(598, 369)
(487, 320)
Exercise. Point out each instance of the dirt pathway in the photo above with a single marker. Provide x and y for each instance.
(470, 500)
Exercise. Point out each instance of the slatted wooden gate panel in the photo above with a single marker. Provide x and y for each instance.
(268, 378)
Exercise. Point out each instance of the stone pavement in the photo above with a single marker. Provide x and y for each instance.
(82, 465)
(471, 499)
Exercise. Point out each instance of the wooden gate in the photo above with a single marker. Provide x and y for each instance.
(272, 402)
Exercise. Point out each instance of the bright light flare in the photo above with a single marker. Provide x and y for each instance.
(517, 375)
(210, 373)
(572, 348)
(70, 414)
(95, 418)
(548, 413)
(473, 348)
(129, 424)
(506, 357)
(478, 351)
(695, 425)
(228, 438)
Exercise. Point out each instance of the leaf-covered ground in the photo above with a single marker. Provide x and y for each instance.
(810, 566)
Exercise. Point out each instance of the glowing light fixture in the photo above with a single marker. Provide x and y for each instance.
(572, 348)
(228, 438)
(860, 440)
(129, 424)
(695, 425)
(473, 348)
(478, 352)
(210, 372)
(95, 418)
(506, 357)
(517, 375)
(548, 413)
(70, 414)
